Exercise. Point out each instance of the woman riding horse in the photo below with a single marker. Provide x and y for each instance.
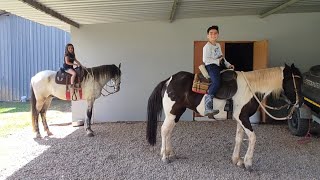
(44, 88)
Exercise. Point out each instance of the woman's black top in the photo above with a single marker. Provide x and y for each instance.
(71, 59)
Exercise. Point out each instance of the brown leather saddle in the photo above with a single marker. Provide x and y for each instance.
(63, 77)
(228, 85)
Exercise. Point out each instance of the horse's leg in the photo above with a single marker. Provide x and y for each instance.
(243, 119)
(35, 124)
(35, 118)
(43, 115)
(88, 118)
(173, 113)
(178, 112)
(249, 154)
(236, 152)
(166, 129)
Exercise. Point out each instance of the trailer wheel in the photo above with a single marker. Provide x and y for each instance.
(297, 125)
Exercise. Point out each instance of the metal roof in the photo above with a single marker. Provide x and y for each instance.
(62, 13)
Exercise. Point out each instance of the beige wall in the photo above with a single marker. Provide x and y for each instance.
(152, 51)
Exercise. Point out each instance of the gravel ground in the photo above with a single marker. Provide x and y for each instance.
(120, 151)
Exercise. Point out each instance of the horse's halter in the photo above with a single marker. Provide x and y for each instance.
(294, 106)
(295, 90)
(287, 100)
(116, 87)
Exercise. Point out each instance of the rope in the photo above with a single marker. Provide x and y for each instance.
(263, 107)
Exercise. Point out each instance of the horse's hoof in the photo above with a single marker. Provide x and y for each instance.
(49, 133)
(173, 157)
(37, 135)
(240, 163)
(166, 160)
(90, 134)
(248, 168)
(235, 161)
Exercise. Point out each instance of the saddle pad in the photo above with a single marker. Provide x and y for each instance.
(200, 84)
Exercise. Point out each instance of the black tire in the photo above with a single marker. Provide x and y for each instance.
(298, 126)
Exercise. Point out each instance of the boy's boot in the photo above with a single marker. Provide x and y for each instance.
(208, 99)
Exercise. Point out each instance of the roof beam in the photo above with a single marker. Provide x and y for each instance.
(278, 8)
(2, 12)
(173, 11)
(51, 12)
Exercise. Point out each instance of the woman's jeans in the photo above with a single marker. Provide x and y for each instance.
(214, 73)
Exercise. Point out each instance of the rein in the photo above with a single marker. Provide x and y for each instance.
(102, 87)
(276, 108)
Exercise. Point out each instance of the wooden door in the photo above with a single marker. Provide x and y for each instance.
(260, 54)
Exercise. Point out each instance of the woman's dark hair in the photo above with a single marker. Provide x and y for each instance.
(66, 52)
(213, 27)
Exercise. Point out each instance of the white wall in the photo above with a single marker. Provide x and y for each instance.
(152, 51)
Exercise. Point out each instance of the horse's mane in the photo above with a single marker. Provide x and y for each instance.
(104, 71)
(266, 80)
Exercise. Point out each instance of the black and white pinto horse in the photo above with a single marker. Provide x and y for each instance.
(174, 95)
(44, 88)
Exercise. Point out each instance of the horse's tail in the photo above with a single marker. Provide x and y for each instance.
(34, 112)
(154, 112)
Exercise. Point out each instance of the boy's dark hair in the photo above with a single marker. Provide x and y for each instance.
(213, 27)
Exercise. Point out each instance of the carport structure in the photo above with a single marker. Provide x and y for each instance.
(152, 40)
(156, 38)
(61, 13)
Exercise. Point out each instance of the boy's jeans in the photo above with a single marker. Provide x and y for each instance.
(214, 73)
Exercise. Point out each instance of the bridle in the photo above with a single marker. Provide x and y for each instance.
(289, 103)
(114, 87)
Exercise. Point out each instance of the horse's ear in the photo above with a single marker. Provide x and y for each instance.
(292, 65)
(286, 65)
(119, 65)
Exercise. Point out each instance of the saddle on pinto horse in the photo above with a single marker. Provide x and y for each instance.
(228, 87)
(228, 84)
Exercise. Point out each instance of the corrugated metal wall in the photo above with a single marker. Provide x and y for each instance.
(26, 48)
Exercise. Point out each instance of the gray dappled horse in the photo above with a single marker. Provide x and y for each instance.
(44, 88)
(174, 95)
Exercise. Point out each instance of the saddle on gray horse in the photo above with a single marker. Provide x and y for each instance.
(228, 84)
(63, 77)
